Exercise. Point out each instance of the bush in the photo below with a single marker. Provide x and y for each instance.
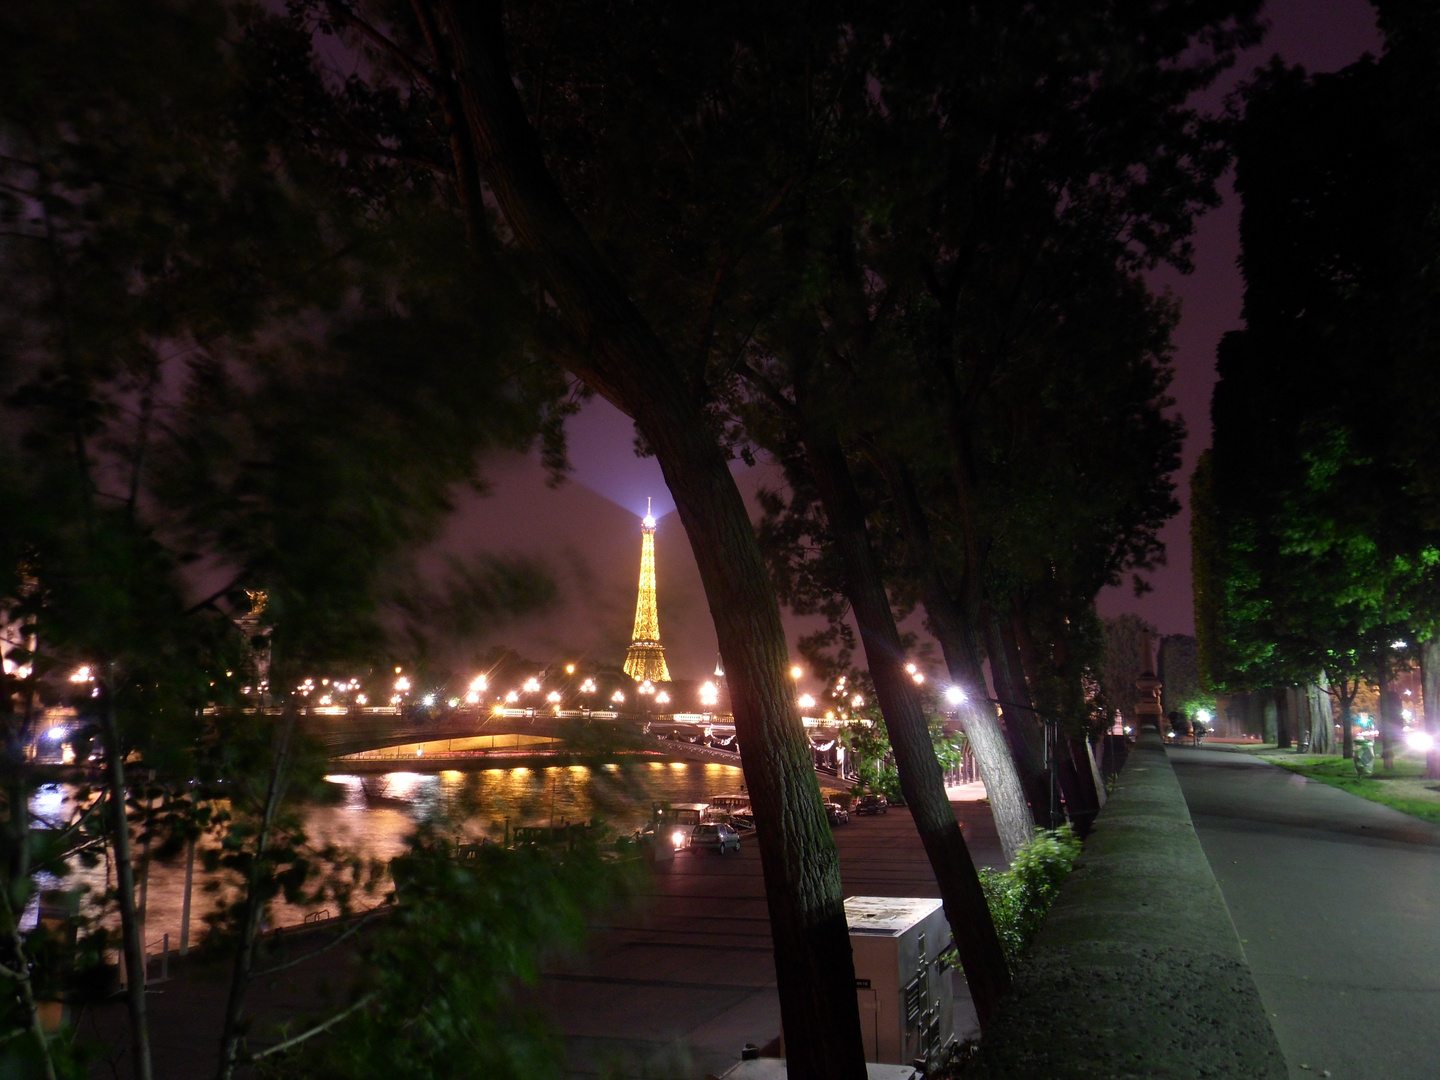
(1020, 896)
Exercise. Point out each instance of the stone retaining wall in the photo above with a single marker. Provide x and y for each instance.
(1138, 971)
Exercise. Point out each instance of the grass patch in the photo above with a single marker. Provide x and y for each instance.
(1403, 788)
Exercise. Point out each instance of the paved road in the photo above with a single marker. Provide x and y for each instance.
(1337, 901)
(672, 990)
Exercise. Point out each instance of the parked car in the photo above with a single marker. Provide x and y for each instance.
(836, 814)
(715, 836)
(872, 804)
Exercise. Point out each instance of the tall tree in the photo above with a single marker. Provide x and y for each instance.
(443, 91)
(1319, 553)
(181, 306)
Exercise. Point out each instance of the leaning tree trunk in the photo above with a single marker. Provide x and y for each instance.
(253, 905)
(959, 643)
(921, 779)
(131, 932)
(1087, 796)
(625, 362)
(1024, 730)
(1430, 702)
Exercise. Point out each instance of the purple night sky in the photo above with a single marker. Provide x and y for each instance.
(587, 531)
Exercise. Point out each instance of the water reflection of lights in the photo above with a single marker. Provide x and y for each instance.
(480, 802)
(403, 784)
(48, 802)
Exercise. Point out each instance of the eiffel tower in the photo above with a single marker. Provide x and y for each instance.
(645, 658)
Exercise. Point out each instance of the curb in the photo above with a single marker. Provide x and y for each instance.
(1138, 971)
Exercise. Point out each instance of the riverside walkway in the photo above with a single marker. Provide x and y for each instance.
(1337, 903)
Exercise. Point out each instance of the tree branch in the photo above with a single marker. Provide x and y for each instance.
(772, 393)
(722, 272)
(346, 935)
(372, 34)
(318, 1029)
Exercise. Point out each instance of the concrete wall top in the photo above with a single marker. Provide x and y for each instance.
(1138, 971)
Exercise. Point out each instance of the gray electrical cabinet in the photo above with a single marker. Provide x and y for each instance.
(907, 1003)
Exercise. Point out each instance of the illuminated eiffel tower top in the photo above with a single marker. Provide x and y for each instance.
(645, 658)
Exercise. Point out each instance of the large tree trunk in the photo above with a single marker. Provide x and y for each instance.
(1271, 718)
(1010, 801)
(1390, 721)
(626, 363)
(131, 932)
(1430, 702)
(1284, 723)
(1345, 698)
(1322, 723)
(966, 908)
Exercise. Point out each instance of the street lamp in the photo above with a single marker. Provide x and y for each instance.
(955, 695)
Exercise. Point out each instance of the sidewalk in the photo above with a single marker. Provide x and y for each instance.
(1337, 902)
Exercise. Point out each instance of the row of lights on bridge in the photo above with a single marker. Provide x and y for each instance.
(709, 692)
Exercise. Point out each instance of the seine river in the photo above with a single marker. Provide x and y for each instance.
(372, 816)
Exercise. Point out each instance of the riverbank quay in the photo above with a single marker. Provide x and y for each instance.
(1138, 971)
(675, 988)
(1337, 900)
(671, 988)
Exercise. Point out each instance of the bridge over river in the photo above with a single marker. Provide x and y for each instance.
(376, 740)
